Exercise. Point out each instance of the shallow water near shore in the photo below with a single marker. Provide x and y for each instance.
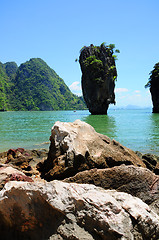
(136, 129)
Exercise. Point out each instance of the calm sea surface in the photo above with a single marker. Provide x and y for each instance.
(136, 129)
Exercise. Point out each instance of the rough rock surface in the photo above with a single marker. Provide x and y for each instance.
(59, 210)
(24, 160)
(98, 74)
(137, 181)
(8, 173)
(77, 147)
(156, 170)
(151, 161)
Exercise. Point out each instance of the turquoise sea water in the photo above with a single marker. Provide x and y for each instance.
(136, 129)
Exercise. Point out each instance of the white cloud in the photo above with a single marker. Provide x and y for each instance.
(121, 90)
(138, 98)
(75, 86)
(137, 91)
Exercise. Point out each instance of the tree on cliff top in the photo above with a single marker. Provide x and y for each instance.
(154, 77)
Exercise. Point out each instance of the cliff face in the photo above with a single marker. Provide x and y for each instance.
(155, 98)
(98, 77)
(153, 84)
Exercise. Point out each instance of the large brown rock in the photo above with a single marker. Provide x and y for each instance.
(137, 181)
(61, 211)
(77, 147)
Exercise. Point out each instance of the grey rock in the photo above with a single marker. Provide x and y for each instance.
(137, 181)
(59, 210)
(77, 147)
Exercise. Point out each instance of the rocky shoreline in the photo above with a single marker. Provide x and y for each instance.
(26, 160)
(86, 186)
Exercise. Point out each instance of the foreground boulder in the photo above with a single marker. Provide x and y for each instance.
(98, 77)
(77, 147)
(137, 181)
(59, 210)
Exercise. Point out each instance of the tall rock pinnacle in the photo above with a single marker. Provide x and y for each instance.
(98, 77)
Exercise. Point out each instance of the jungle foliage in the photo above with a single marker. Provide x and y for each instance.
(154, 77)
(35, 86)
(100, 60)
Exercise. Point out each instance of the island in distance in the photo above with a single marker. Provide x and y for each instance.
(35, 86)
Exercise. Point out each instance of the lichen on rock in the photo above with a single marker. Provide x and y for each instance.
(98, 77)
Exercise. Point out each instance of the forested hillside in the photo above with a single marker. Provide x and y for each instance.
(35, 86)
(7, 74)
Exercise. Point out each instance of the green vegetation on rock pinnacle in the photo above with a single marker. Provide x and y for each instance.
(153, 84)
(154, 76)
(35, 86)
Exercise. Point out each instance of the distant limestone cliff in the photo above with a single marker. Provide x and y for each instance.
(35, 86)
(153, 84)
(98, 77)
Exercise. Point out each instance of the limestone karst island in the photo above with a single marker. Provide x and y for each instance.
(153, 84)
(35, 86)
(98, 76)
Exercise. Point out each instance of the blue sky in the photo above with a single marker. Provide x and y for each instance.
(56, 30)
